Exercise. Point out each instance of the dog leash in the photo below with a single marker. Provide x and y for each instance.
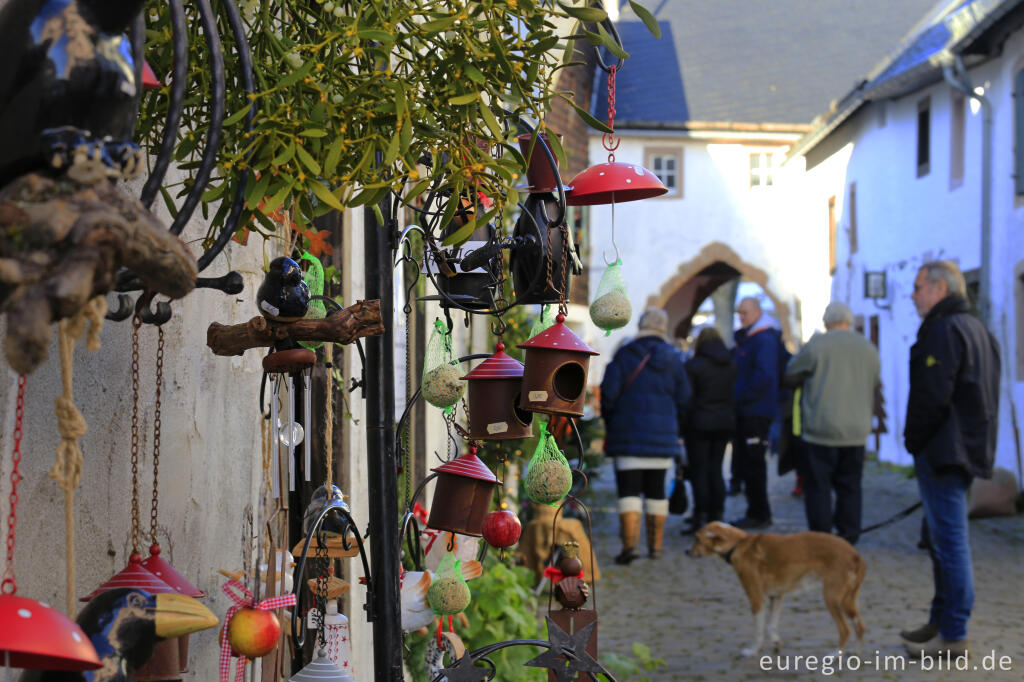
(893, 519)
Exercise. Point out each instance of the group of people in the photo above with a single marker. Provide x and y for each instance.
(654, 400)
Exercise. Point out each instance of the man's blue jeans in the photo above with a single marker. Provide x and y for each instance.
(944, 497)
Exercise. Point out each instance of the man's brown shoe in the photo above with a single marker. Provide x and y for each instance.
(921, 634)
(937, 646)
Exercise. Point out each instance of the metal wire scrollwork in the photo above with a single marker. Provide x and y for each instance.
(231, 283)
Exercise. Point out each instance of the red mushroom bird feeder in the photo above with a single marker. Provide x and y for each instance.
(555, 378)
(462, 496)
(494, 412)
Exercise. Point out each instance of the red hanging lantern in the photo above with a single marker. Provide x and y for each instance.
(555, 378)
(494, 412)
(540, 170)
(133, 576)
(462, 495)
(613, 182)
(33, 635)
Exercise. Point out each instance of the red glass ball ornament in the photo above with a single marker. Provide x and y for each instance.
(502, 529)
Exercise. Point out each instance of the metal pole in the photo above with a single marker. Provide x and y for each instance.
(383, 485)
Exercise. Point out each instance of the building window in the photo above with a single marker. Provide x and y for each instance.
(762, 168)
(1018, 132)
(832, 235)
(957, 131)
(924, 113)
(667, 164)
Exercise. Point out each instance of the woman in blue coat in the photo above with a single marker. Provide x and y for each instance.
(644, 397)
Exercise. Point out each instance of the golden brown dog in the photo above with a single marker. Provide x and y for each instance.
(770, 565)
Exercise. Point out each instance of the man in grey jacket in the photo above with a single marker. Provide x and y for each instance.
(838, 371)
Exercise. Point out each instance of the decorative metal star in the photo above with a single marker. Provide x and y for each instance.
(568, 653)
(465, 670)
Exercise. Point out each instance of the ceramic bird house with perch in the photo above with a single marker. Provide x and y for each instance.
(494, 412)
(555, 377)
(462, 496)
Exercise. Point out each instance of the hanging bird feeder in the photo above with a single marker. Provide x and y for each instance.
(555, 378)
(463, 495)
(494, 412)
(613, 182)
(34, 636)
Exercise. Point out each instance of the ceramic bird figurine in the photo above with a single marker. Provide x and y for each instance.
(284, 295)
(437, 543)
(416, 611)
(68, 94)
(333, 523)
(124, 625)
(571, 591)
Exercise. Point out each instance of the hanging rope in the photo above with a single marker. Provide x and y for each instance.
(67, 470)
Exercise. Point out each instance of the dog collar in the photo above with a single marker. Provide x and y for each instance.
(728, 555)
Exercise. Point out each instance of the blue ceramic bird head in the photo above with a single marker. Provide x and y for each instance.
(284, 295)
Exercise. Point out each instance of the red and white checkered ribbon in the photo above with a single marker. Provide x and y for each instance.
(242, 598)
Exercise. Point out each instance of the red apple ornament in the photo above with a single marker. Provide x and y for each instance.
(253, 632)
(502, 528)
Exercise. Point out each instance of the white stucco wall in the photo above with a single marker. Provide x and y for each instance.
(903, 221)
(765, 226)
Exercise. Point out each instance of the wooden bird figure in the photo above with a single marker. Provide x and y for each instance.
(416, 611)
(67, 85)
(124, 625)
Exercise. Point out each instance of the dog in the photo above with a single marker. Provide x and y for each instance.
(770, 566)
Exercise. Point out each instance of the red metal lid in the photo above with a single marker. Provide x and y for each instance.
(468, 465)
(159, 567)
(39, 637)
(498, 366)
(615, 182)
(134, 576)
(559, 337)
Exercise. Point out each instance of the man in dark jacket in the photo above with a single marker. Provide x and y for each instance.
(758, 347)
(951, 430)
(644, 397)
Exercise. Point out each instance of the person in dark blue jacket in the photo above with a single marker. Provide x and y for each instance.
(758, 348)
(644, 398)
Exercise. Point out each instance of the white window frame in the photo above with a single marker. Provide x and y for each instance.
(652, 154)
(764, 171)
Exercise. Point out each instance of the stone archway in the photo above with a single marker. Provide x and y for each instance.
(707, 260)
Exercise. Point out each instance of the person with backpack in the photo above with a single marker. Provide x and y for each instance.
(644, 398)
(757, 354)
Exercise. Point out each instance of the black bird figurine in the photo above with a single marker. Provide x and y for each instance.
(124, 625)
(68, 90)
(284, 295)
(334, 524)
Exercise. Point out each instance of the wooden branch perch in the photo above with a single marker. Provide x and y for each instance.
(344, 326)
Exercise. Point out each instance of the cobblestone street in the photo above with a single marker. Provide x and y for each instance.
(693, 613)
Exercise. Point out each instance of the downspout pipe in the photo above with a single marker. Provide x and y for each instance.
(956, 75)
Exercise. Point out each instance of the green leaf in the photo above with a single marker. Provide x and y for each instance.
(556, 149)
(474, 74)
(437, 25)
(588, 14)
(324, 195)
(391, 153)
(296, 75)
(273, 202)
(307, 160)
(375, 34)
(255, 191)
(314, 132)
(214, 193)
(612, 44)
(237, 116)
(405, 136)
(285, 156)
(464, 99)
(333, 154)
(590, 120)
(491, 122)
(645, 16)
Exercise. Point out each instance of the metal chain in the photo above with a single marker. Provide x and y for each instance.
(9, 585)
(136, 323)
(608, 139)
(500, 303)
(563, 306)
(156, 434)
(407, 429)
